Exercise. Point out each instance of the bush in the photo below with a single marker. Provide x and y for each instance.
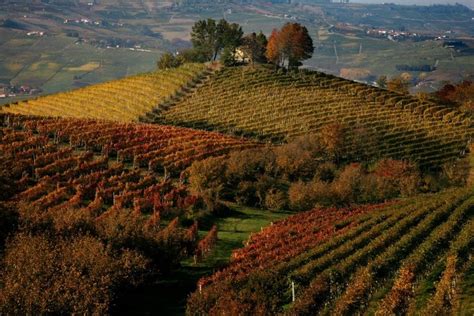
(206, 180)
(168, 60)
(347, 186)
(8, 222)
(276, 200)
(301, 196)
(396, 178)
(64, 277)
(296, 161)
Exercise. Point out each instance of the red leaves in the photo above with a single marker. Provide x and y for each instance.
(207, 243)
(287, 238)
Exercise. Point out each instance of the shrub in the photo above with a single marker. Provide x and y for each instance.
(294, 163)
(300, 196)
(168, 60)
(64, 277)
(276, 199)
(206, 179)
(347, 186)
(8, 222)
(395, 177)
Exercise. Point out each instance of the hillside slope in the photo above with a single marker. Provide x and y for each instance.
(122, 100)
(272, 105)
(152, 147)
(398, 259)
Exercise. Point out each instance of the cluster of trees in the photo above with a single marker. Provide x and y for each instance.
(400, 84)
(460, 95)
(211, 39)
(65, 260)
(313, 170)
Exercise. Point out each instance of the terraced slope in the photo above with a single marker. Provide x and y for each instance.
(262, 103)
(374, 262)
(123, 100)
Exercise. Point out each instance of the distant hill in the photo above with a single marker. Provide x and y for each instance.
(265, 104)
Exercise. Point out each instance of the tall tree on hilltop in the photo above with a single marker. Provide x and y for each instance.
(229, 35)
(209, 37)
(204, 36)
(291, 45)
(273, 52)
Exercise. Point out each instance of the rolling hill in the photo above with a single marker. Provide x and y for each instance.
(108, 157)
(259, 102)
(123, 100)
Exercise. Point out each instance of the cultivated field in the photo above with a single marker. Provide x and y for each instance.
(261, 103)
(378, 259)
(122, 100)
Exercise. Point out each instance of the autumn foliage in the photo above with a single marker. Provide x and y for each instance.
(289, 46)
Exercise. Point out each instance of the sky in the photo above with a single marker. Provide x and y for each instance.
(468, 3)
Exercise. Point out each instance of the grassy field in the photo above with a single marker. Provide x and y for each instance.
(169, 295)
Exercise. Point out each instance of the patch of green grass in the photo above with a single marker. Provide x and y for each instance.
(427, 286)
(234, 231)
(466, 298)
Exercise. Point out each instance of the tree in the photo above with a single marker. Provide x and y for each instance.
(228, 57)
(254, 47)
(228, 36)
(168, 60)
(291, 45)
(209, 37)
(273, 52)
(398, 84)
(204, 37)
(382, 82)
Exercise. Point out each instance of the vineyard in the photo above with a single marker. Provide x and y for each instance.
(262, 103)
(153, 174)
(95, 166)
(400, 258)
(153, 147)
(123, 100)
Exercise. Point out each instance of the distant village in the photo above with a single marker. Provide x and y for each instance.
(7, 91)
(448, 37)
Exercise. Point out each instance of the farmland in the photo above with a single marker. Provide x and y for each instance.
(121, 100)
(178, 177)
(292, 105)
(386, 254)
(316, 171)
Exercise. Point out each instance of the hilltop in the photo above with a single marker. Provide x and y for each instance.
(275, 106)
(278, 106)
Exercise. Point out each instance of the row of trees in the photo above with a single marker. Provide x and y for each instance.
(211, 39)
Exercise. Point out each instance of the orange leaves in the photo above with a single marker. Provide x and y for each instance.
(273, 53)
(291, 44)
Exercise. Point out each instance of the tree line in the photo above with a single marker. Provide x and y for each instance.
(211, 39)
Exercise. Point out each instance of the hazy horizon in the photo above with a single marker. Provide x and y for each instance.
(468, 3)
